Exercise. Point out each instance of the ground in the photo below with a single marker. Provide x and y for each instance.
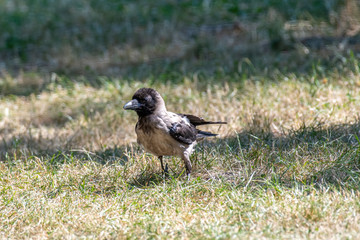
(284, 75)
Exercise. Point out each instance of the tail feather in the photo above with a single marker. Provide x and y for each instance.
(202, 134)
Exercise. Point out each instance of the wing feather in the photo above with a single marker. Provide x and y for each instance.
(196, 121)
(183, 132)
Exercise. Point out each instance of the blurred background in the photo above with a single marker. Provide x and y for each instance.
(165, 40)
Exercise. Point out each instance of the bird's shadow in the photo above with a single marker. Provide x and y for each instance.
(146, 179)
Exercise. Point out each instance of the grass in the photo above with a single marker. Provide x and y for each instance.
(286, 79)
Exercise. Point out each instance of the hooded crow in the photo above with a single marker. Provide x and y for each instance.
(165, 133)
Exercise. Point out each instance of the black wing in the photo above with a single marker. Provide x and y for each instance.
(196, 121)
(183, 132)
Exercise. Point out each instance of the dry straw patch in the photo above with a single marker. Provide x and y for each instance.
(74, 116)
(271, 174)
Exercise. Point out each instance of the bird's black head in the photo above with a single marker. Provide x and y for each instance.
(144, 102)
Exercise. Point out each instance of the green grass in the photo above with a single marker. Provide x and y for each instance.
(283, 74)
(286, 165)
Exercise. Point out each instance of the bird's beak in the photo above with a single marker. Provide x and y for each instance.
(132, 105)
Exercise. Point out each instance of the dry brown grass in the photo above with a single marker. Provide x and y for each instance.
(66, 117)
(71, 168)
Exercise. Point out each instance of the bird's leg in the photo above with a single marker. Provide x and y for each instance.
(187, 165)
(162, 165)
(161, 161)
(166, 169)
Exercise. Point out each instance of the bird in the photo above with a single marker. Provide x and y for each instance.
(164, 133)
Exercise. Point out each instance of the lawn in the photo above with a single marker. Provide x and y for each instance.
(285, 75)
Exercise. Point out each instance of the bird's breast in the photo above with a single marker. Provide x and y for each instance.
(155, 138)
